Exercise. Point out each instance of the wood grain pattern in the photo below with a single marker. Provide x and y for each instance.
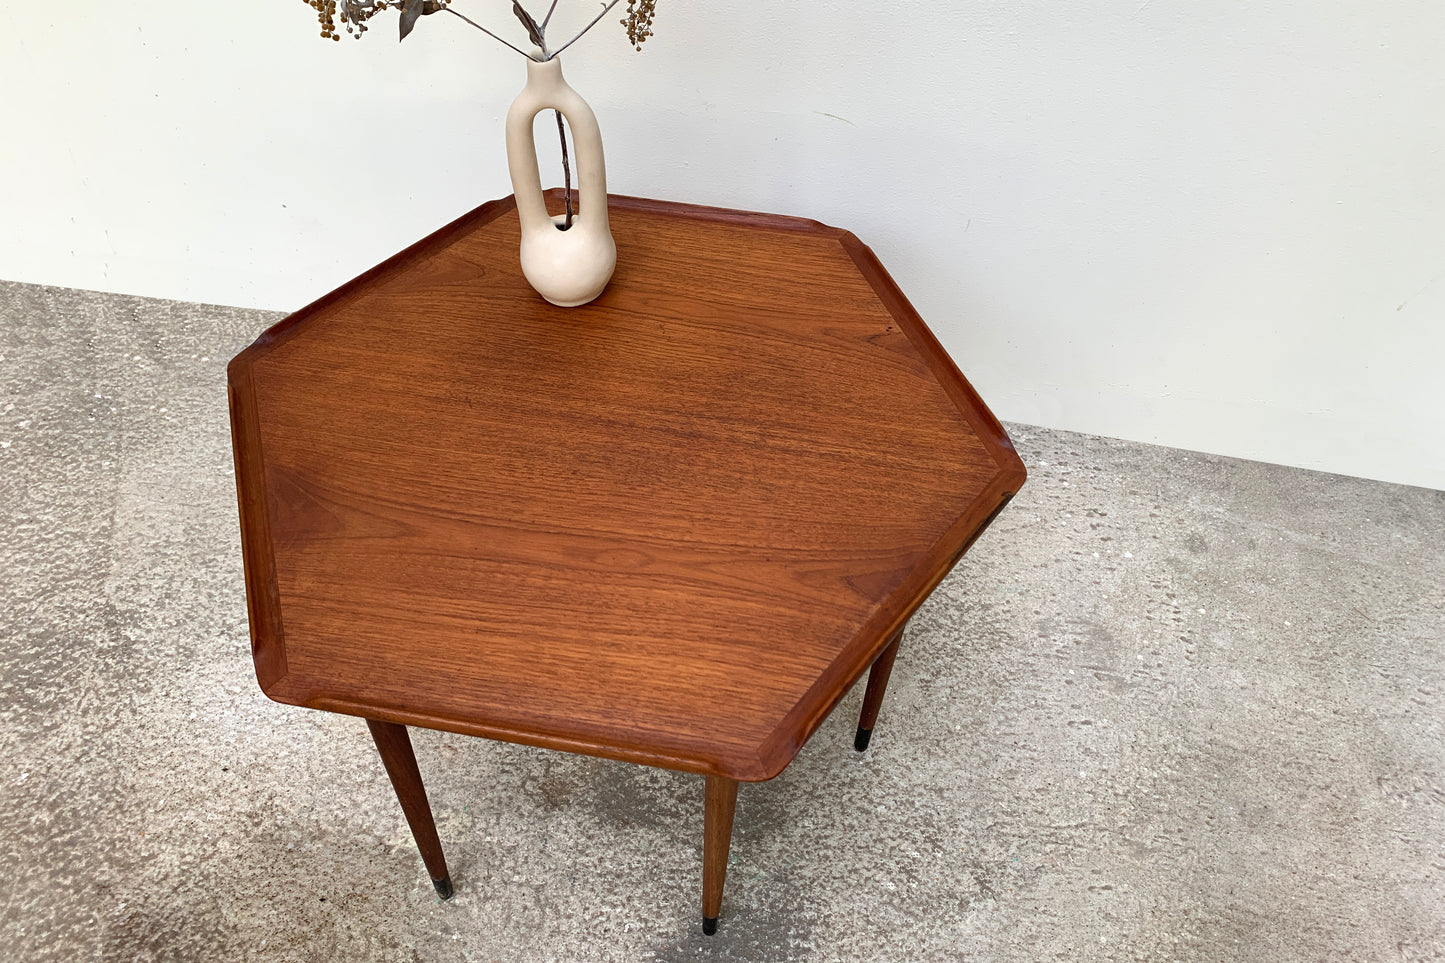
(673, 526)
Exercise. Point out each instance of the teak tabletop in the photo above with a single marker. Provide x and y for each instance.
(673, 526)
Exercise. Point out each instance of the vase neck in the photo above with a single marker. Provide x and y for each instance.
(545, 73)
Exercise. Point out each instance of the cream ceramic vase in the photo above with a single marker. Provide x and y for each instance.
(568, 267)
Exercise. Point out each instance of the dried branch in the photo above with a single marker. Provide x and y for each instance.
(355, 13)
(489, 33)
(585, 29)
(566, 170)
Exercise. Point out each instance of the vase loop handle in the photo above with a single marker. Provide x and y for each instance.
(547, 90)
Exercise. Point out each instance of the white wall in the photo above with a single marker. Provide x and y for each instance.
(1216, 224)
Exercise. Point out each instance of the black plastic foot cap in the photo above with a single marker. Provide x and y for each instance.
(443, 887)
(709, 925)
(860, 741)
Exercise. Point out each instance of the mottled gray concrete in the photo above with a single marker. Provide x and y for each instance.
(1171, 707)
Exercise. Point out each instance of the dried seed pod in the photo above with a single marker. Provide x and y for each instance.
(355, 13)
(638, 21)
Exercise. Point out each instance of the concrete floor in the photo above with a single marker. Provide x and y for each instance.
(1170, 707)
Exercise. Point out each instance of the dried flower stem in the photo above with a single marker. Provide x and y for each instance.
(566, 170)
(354, 14)
(489, 33)
(569, 43)
(546, 53)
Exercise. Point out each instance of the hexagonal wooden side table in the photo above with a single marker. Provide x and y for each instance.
(672, 527)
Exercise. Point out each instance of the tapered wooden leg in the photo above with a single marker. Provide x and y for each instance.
(717, 838)
(395, 747)
(877, 685)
